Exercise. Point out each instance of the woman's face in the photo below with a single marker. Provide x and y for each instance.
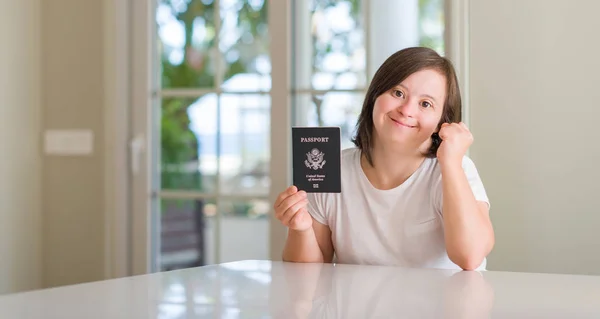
(407, 115)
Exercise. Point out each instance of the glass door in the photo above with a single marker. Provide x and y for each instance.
(213, 149)
(207, 117)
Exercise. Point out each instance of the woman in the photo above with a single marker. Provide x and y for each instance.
(410, 196)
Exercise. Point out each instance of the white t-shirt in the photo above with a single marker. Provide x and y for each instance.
(397, 227)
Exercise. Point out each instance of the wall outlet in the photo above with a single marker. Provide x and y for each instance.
(68, 142)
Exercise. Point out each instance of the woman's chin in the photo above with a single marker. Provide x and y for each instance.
(404, 143)
(402, 137)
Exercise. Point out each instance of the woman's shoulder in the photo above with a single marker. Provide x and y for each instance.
(467, 162)
(434, 170)
(431, 169)
(350, 151)
(350, 158)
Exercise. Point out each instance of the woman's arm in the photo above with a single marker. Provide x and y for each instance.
(310, 246)
(468, 230)
(308, 240)
(467, 227)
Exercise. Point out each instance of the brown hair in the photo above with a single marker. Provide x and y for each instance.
(392, 72)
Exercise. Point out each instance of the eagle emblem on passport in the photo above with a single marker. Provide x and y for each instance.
(314, 159)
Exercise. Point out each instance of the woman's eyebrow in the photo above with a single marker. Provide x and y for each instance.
(429, 96)
(425, 95)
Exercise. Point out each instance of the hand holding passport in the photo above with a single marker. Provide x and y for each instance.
(316, 159)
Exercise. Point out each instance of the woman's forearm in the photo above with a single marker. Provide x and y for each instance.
(302, 246)
(468, 231)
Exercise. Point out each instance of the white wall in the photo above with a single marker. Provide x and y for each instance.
(20, 162)
(535, 106)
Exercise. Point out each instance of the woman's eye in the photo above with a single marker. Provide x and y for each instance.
(398, 93)
(425, 104)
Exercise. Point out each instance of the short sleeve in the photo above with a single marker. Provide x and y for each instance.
(474, 181)
(316, 207)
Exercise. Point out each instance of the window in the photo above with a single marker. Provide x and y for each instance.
(214, 131)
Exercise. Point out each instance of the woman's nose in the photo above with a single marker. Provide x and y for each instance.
(408, 108)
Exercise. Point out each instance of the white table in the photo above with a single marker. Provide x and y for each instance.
(263, 289)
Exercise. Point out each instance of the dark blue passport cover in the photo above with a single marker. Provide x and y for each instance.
(316, 159)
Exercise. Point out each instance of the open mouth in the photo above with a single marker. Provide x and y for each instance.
(401, 123)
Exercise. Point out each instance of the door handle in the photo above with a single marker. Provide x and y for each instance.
(137, 147)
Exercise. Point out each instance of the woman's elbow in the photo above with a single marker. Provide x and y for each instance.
(470, 257)
(467, 260)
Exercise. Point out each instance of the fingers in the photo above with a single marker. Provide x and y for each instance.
(448, 128)
(454, 125)
(443, 133)
(290, 208)
(290, 204)
(295, 213)
(296, 220)
(444, 130)
(285, 194)
(461, 124)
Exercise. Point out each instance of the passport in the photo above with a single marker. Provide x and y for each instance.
(317, 159)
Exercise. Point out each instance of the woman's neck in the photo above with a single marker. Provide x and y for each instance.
(391, 167)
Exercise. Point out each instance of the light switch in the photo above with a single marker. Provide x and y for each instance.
(69, 142)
